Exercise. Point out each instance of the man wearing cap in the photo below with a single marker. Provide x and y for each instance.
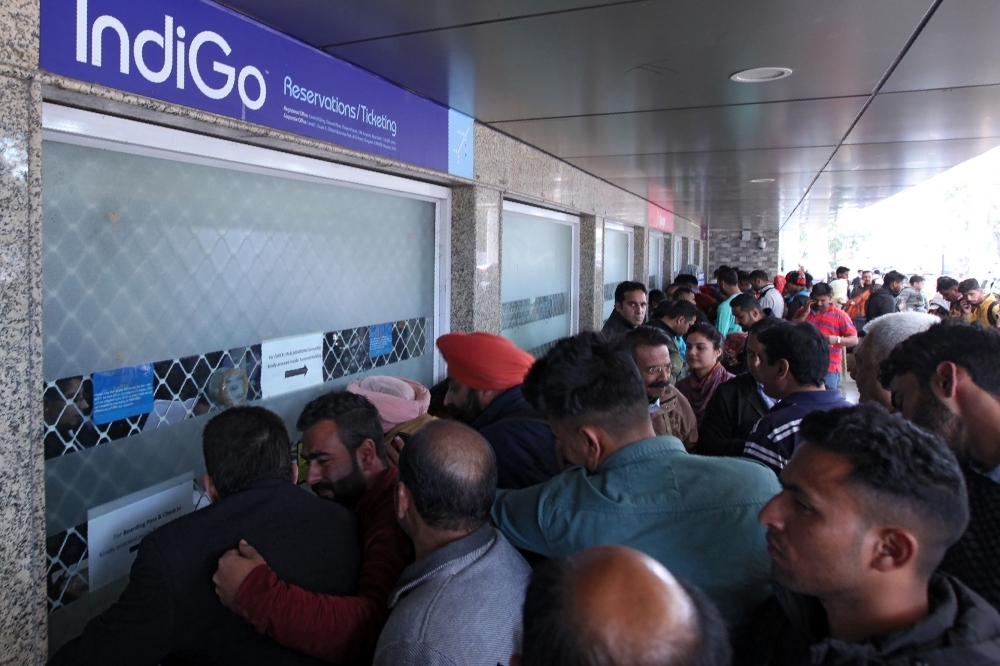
(796, 292)
(485, 373)
(978, 305)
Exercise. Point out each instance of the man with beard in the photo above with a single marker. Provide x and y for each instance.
(869, 506)
(883, 300)
(485, 372)
(947, 379)
(342, 442)
(738, 404)
(670, 411)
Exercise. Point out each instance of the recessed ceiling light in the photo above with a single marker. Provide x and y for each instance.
(761, 74)
(762, 180)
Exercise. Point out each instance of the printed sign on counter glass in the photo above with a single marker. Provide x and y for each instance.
(290, 364)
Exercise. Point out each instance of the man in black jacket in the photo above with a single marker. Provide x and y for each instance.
(485, 372)
(737, 405)
(869, 506)
(169, 613)
(947, 380)
(630, 308)
(883, 300)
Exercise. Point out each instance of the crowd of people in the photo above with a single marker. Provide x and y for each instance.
(688, 486)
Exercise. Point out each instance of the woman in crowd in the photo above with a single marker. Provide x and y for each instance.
(704, 352)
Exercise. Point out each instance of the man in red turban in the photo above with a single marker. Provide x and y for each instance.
(485, 372)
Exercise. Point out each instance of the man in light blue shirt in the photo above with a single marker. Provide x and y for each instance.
(695, 515)
(729, 287)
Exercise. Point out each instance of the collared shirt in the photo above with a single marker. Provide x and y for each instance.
(459, 605)
(696, 515)
(768, 400)
(776, 436)
(833, 322)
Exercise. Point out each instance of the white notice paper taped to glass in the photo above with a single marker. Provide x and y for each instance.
(115, 529)
(290, 364)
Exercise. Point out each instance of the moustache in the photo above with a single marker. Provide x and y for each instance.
(658, 385)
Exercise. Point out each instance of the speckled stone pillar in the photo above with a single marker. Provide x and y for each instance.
(22, 495)
(640, 256)
(668, 259)
(476, 218)
(591, 273)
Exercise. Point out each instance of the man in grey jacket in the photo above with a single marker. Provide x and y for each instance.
(460, 602)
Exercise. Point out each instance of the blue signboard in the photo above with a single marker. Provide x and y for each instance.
(379, 340)
(202, 55)
(119, 394)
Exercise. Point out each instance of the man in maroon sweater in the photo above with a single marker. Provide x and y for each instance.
(342, 441)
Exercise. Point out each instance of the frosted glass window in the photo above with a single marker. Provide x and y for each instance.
(617, 264)
(537, 281)
(149, 260)
(655, 280)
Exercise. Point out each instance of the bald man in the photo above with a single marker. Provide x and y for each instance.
(612, 605)
(460, 602)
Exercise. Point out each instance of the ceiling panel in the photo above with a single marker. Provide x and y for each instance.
(959, 47)
(749, 164)
(327, 23)
(910, 155)
(647, 55)
(777, 125)
(638, 92)
(956, 113)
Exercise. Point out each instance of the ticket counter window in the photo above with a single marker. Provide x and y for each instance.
(169, 271)
(539, 276)
(617, 262)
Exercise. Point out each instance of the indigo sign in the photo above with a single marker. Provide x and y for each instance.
(202, 55)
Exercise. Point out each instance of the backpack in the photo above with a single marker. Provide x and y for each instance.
(856, 306)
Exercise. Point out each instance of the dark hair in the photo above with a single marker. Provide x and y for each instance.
(821, 289)
(587, 378)
(974, 348)
(802, 346)
(656, 295)
(759, 275)
(245, 444)
(708, 331)
(742, 276)
(945, 283)
(842, 269)
(728, 276)
(915, 279)
(915, 480)
(451, 473)
(553, 638)
(968, 285)
(625, 287)
(746, 302)
(893, 277)
(686, 279)
(681, 292)
(765, 324)
(356, 417)
(675, 309)
(645, 336)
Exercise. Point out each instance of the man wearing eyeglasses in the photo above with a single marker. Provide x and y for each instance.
(670, 411)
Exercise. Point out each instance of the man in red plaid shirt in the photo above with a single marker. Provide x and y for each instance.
(833, 324)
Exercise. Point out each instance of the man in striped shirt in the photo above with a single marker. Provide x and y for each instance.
(792, 361)
(833, 324)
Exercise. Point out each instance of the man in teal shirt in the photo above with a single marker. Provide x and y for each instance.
(729, 287)
(696, 515)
